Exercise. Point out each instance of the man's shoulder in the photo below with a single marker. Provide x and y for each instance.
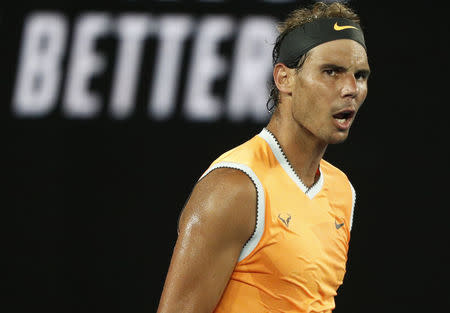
(339, 189)
(329, 169)
(244, 153)
(223, 198)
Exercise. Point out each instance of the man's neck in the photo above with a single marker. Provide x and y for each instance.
(302, 149)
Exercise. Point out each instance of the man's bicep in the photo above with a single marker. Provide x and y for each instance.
(216, 222)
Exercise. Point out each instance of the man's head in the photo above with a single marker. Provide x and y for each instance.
(320, 70)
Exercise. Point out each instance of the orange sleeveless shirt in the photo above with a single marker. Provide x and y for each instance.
(295, 260)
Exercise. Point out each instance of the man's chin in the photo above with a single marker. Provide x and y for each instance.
(338, 138)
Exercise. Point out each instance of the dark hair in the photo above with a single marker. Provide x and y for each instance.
(299, 17)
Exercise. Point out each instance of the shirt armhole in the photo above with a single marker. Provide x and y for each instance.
(353, 205)
(254, 239)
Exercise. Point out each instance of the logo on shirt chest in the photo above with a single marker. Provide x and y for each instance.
(337, 225)
(285, 218)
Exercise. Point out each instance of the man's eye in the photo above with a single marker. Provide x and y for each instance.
(330, 72)
(361, 75)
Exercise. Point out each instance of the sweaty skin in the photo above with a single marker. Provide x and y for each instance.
(217, 221)
(220, 215)
(333, 78)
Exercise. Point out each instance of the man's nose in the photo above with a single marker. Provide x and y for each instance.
(349, 87)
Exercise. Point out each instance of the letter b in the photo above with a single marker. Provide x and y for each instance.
(39, 74)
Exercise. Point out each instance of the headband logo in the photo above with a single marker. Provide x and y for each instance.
(339, 28)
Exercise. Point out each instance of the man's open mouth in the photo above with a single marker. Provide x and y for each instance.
(344, 115)
(343, 119)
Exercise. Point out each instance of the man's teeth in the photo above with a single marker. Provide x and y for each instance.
(341, 120)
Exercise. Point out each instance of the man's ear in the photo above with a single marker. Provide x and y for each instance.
(282, 78)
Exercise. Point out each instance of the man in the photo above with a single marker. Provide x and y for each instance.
(267, 226)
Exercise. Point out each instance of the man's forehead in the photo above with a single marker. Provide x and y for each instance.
(340, 52)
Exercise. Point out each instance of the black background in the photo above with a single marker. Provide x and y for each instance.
(90, 207)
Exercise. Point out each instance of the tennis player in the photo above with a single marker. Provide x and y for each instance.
(267, 227)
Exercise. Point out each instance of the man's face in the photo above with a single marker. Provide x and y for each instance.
(330, 88)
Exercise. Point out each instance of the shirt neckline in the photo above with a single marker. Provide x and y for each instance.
(274, 145)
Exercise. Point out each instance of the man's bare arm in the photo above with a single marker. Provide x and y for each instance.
(217, 221)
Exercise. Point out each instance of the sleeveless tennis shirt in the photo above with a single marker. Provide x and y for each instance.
(295, 260)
